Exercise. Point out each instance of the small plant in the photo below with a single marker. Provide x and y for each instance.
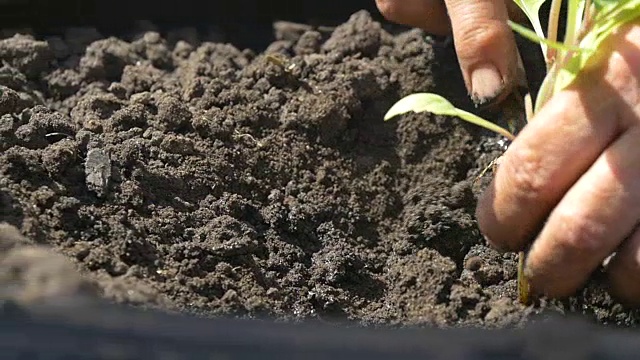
(588, 24)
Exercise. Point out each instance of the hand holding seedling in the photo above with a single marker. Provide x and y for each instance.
(484, 43)
(574, 173)
(569, 184)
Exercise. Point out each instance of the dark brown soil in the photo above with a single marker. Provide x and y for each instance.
(194, 176)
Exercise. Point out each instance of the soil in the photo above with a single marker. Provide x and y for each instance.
(173, 170)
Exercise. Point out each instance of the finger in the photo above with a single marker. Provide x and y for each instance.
(429, 15)
(546, 158)
(486, 48)
(559, 145)
(624, 271)
(590, 222)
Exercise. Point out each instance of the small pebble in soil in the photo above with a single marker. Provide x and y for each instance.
(473, 263)
(98, 171)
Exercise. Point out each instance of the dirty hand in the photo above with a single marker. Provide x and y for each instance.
(484, 43)
(570, 182)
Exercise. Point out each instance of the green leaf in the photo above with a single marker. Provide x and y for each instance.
(438, 105)
(611, 16)
(531, 9)
(525, 32)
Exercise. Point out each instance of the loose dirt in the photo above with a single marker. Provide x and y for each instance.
(179, 172)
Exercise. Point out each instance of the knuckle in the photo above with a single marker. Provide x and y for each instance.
(526, 173)
(480, 36)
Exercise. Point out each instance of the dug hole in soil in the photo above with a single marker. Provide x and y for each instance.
(172, 170)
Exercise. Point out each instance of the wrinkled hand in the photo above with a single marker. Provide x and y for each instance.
(484, 43)
(570, 183)
(571, 180)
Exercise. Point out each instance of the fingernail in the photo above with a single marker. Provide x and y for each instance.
(486, 84)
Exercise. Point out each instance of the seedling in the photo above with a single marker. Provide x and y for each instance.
(280, 62)
(588, 24)
(287, 67)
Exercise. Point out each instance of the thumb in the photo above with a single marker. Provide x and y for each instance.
(486, 48)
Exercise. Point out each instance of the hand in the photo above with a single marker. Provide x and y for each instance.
(571, 180)
(485, 44)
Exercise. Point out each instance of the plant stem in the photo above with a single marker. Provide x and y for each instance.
(587, 10)
(589, 14)
(552, 30)
(574, 22)
(528, 107)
